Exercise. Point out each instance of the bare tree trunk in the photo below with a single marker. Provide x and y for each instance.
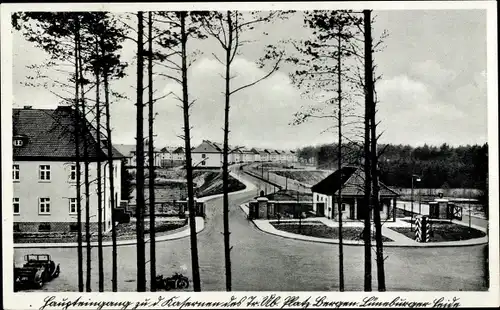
(339, 158)
(189, 169)
(77, 166)
(109, 148)
(367, 166)
(225, 168)
(99, 180)
(374, 160)
(152, 240)
(86, 174)
(141, 264)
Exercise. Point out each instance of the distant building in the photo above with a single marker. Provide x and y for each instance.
(207, 155)
(236, 155)
(179, 154)
(248, 156)
(283, 156)
(44, 171)
(256, 154)
(264, 155)
(128, 152)
(275, 155)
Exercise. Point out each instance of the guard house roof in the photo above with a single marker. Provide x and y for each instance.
(352, 183)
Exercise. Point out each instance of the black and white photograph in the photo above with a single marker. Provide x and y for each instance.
(300, 149)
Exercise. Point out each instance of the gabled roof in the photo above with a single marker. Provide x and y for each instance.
(168, 149)
(237, 150)
(207, 147)
(247, 151)
(352, 183)
(125, 149)
(49, 133)
(178, 150)
(254, 150)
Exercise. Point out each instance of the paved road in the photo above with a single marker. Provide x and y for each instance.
(264, 262)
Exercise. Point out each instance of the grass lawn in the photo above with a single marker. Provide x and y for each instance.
(124, 232)
(320, 230)
(444, 231)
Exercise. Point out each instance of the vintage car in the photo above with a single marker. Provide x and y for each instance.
(37, 269)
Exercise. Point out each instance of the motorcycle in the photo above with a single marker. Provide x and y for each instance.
(177, 281)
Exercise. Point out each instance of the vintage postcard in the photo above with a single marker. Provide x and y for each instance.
(250, 155)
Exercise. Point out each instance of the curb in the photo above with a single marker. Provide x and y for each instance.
(393, 244)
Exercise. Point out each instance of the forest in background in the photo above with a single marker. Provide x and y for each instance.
(442, 166)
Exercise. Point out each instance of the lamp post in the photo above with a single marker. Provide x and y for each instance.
(417, 179)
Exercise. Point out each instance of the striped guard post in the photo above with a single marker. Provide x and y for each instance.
(418, 230)
(428, 230)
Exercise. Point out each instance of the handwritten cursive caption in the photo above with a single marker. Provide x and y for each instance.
(271, 301)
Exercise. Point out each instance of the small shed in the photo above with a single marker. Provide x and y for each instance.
(442, 208)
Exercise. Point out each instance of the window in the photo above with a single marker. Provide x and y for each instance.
(203, 163)
(44, 206)
(72, 173)
(73, 205)
(44, 174)
(15, 204)
(343, 207)
(203, 155)
(15, 172)
(18, 142)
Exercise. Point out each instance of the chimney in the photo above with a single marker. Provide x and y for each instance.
(27, 107)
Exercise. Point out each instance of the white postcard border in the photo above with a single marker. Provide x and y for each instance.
(36, 300)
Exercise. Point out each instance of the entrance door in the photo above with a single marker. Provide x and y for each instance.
(433, 210)
(360, 212)
(320, 207)
(351, 211)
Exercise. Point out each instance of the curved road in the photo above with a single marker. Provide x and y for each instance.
(264, 262)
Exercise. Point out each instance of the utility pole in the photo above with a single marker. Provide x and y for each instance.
(411, 214)
(141, 249)
(152, 232)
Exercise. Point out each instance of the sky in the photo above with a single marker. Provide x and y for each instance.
(433, 86)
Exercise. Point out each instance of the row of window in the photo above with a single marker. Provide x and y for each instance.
(321, 198)
(44, 205)
(325, 199)
(44, 172)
